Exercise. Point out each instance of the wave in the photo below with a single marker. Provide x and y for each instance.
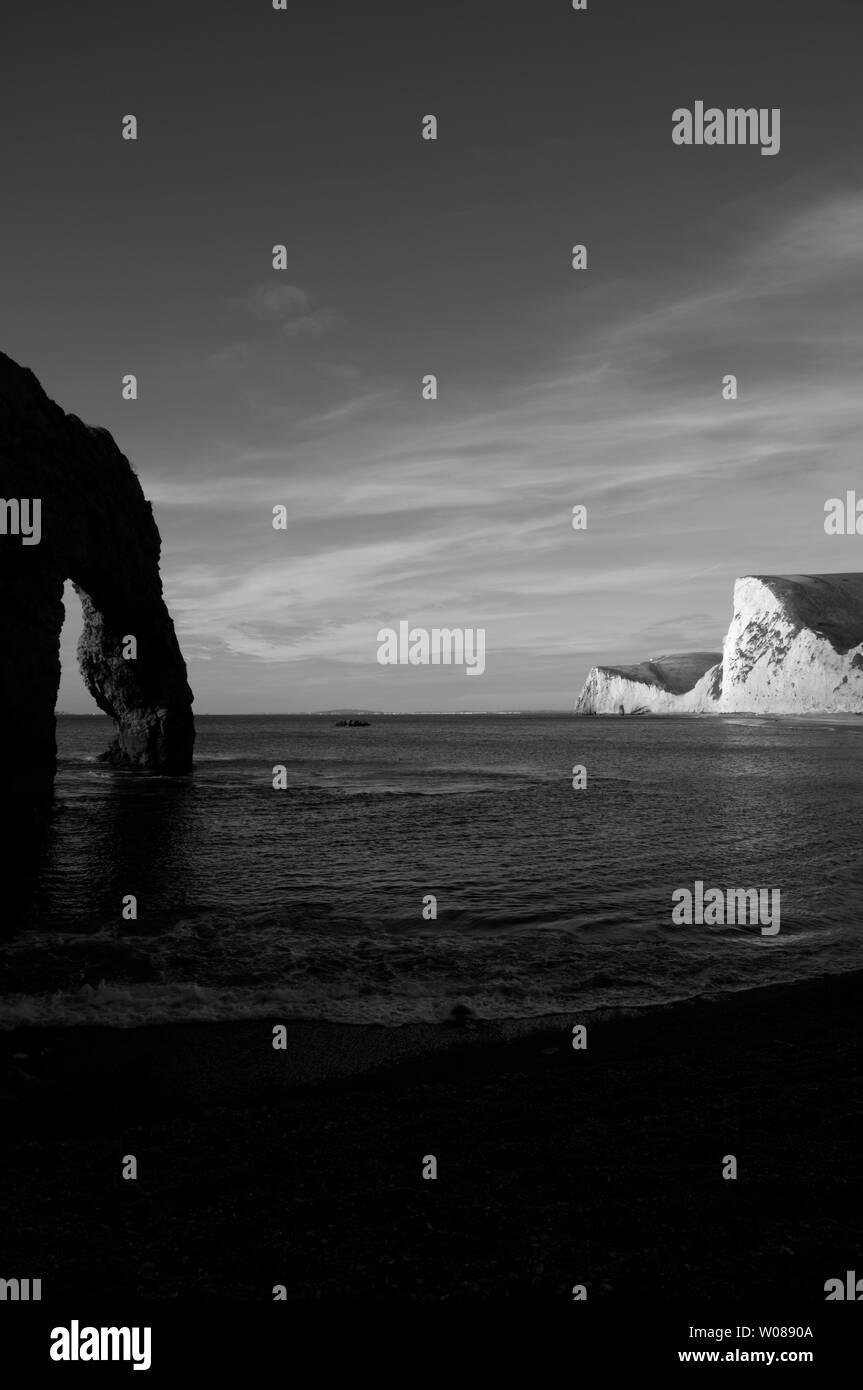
(404, 1000)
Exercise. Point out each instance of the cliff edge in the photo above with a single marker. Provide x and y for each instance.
(794, 646)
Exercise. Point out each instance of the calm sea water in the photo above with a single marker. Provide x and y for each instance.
(308, 902)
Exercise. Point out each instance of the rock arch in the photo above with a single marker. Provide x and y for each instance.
(97, 529)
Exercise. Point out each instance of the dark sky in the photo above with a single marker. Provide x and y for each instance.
(405, 257)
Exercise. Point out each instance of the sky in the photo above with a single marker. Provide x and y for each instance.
(556, 387)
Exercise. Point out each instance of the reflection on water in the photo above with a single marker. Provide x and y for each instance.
(108, 834)
(548, 898)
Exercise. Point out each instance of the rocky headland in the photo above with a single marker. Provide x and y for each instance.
(96, 529)
(794, 646)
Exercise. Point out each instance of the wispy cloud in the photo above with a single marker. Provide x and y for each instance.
(460, 513)
(309, 325)
(274, 301)
(287, 306)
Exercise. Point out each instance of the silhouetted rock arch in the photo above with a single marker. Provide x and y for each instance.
(97, 529)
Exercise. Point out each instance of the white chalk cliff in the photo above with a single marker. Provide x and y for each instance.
(795, 646)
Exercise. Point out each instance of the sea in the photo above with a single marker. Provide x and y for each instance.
(429, 867)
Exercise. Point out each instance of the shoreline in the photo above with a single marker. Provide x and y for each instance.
(173, 1062)
(303, 1168)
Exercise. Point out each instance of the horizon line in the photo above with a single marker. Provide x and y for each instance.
(320, 713)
